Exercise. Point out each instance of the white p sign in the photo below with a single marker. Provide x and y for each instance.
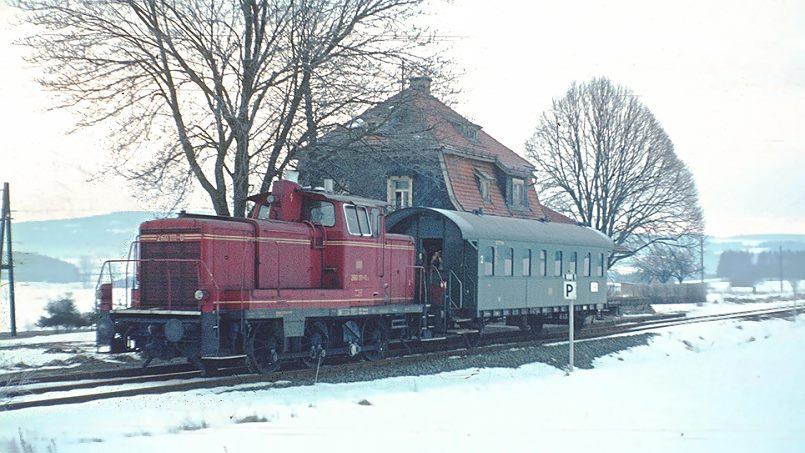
(570, 290)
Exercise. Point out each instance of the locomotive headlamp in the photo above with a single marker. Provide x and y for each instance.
(200, 294)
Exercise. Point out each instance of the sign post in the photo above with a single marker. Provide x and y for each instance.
(570, 296)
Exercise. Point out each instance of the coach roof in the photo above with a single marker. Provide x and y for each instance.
(480, 226)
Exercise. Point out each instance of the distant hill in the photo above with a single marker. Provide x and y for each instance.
(101, 236)
(31, 267)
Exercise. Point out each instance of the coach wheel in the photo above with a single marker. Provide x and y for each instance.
(375, 340)
(314, 343)
(535, 325)
(262, 349)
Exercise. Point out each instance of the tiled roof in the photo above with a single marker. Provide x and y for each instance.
(461, 174)
(444, 121)
(442, 130)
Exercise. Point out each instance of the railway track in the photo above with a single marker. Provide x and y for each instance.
(176, 378)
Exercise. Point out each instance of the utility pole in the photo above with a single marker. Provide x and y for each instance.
(5, 236)
(781, 269)
(701, 256)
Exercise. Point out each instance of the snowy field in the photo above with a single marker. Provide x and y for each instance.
(727, 386)
(49, 352)
(32, 298)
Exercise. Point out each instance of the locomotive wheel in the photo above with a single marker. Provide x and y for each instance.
(262, 349)
(535, 324)
(376, 337)
(315, 343)
(472, 340)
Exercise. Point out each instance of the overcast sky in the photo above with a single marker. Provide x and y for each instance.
(725, 78)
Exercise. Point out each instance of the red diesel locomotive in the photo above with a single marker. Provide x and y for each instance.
(307, 274)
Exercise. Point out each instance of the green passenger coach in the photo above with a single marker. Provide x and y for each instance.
(483, 268)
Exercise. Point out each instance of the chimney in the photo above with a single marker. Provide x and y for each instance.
(421, 83)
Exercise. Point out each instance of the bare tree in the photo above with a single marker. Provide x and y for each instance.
(221, 94)
(663, 262)
(604, 159)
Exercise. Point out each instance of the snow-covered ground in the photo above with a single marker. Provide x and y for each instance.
(32, 298)
(49, 351)
(712, 308)
(726, 386)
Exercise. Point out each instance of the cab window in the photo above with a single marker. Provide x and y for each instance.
(357, 220)
(265, 212)
(319, 212)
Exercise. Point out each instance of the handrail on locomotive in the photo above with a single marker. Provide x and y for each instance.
(126, 278)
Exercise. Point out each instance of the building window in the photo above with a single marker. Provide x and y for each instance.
(400, 191)
(518, 192)
(543, 263)
(526, 260)
(484, 183)
(600, 267)
(357, 221)
(574, 263)
(483, 186)
(508, 262)
(488, 261)
(587, 263)
(557, 264)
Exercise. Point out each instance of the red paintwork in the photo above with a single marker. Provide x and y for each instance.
(284, 262)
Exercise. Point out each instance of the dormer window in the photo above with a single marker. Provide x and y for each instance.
(518, 194)
(483, 185)
(484, 182)
(468, 130)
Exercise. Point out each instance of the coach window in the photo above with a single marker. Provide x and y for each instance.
(574, 263)
(557, 264)
(587, 262)
(543, 263)
(488, 261)
(319, 212)
(600, 267)
(508, 262)
(525, 258)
